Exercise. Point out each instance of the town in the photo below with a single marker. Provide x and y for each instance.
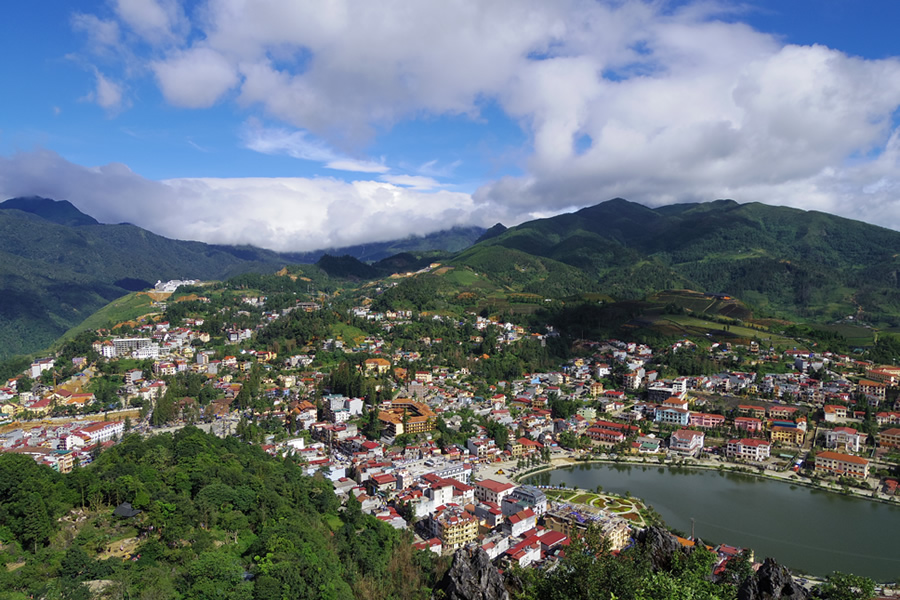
(434, 422)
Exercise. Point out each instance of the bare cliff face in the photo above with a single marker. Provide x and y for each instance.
(473, 577)
(772, 582)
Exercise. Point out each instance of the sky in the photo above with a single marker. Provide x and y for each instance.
(299, 125)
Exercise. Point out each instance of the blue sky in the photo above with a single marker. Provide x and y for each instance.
(296, 125)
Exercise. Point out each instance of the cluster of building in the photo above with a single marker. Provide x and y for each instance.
(62, 446)
(433, 485)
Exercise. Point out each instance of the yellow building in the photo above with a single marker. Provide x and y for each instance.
(407, 416)
(889, 438)
(454, 526)
(515, 448)
(788, 435)
(376, 365)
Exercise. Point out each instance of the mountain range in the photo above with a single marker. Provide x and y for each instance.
(802, 264)
(58, 265)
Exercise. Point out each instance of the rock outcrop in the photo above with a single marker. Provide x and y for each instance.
(772, 582)
(661, 547)
(473, 577)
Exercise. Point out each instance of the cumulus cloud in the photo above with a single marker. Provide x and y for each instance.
(195, 78)
(155, 21)
(285, 214)
(106, 93)
(651, 100)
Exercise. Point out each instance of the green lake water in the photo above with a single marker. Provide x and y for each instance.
(808, 530)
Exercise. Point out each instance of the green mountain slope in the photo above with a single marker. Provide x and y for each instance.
(801, 263)
(58, 266)
(54, 276)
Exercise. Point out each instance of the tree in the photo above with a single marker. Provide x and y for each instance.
(499, 433)
(36, 523)
(844, 586)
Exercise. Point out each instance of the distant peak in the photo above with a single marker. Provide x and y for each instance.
(61, 212)
(493, 232)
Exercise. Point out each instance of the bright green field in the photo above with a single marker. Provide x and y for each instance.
(693, 326)
(126, 308)
(348, 333)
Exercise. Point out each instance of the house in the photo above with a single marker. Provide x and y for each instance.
(605, 436)
(842, 464)
(521, 522)
(833, 412)
(672, 416)
(384, 483)
(454, 526)
(873, 389)
(525, 552)
(747, 424)
(748, 449)
(434, 545)
(705, 420)
(782, 412)
(844, 438)
(97, 433)
(889, 438)
(686, 441)
(634, 379)
(788, 435)
(752, 410)
(407, 416)
(886, 374)
(676, 402)
(532, 497)
(488, 490)
(489, 514)
(40, 366)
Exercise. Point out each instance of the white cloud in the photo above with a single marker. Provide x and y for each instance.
(298, 144)
(654, 101)
(107, 93)
(102, 33)
(416, 182)
(195, 78)
(356, 166)
(156, 21)
(286, 214)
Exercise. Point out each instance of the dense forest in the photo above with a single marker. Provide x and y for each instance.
(219, 519)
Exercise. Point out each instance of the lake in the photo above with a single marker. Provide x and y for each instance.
(805, 529)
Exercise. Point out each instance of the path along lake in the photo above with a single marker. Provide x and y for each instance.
(808, 530)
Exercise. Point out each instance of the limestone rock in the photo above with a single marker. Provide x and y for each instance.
(661, 547)
(772, 582)
(473, 577)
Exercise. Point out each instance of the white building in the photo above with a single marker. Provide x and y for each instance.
(492, 491)
(748, 449)
(844, 438)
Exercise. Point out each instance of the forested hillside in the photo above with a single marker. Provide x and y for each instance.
(219, 519)
(794, 262)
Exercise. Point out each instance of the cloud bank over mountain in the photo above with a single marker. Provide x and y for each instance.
(655, 101)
